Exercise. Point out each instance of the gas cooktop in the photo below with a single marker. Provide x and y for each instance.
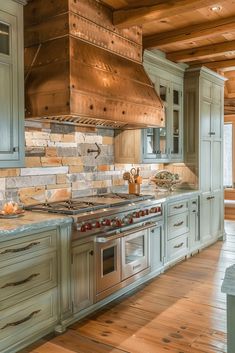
(91, 203)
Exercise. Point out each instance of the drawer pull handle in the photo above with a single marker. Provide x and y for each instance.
(179, 245)
(16, 323)
(20, 249)
(13, 284)
(136, 266)
(178, 207)
(178, 224)
(210, 197)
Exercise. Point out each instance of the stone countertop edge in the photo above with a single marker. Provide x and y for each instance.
(169, 195)
(31, 221)
(228, 285)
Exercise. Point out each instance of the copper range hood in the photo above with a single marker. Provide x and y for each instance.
(81, 70)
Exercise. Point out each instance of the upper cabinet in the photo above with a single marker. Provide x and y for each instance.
(12, 84)
(163, 144)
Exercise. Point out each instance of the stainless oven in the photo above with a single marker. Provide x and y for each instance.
(135, 250)
(121, 255)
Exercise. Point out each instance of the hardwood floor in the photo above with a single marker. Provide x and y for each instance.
(181, 311)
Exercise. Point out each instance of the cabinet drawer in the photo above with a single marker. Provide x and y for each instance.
(177, 247)
(32, 244)
(177, 225)
(177, 207)
(27, 278)
(27, 318)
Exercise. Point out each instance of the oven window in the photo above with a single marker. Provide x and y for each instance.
(134, 249)
(108, 260)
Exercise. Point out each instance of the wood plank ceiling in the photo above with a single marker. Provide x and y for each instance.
(195, 32)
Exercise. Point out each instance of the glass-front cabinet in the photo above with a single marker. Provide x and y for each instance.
(11, 79)
(163, 144)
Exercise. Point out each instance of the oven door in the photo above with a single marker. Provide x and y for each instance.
(108, 264)
(135, 253)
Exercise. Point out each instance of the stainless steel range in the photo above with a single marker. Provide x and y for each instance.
(120, 226)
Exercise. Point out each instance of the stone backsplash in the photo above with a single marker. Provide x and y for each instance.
(58, 165)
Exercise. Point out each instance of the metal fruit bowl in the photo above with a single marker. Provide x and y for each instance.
(165, 180)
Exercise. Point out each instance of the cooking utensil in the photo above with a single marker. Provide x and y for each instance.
(133, 174)
(127, 176)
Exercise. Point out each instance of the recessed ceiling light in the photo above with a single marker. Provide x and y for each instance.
(216, 8)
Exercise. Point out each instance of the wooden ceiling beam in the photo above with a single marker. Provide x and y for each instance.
(128, 17)
(200, 53)
(223, 65)
(187, 34)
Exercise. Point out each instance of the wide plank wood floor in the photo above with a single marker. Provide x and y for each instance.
(181, 311)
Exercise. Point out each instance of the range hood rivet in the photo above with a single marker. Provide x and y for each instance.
(91, 106)
(46, 108)
(123, 112)
(105, 109)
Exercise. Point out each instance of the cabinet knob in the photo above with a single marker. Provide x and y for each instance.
(91, 252)
(15, 149)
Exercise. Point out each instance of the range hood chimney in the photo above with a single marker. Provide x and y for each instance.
(80, 69)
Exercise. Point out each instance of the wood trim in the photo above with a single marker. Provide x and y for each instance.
(125, 18)
(199, 53)
(187, 34)
(214, 65)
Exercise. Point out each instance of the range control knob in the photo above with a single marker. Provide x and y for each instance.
(88, 226)
(83, 228)
(118, 223)
(136, 215)
(142, 213)
(97, 224)
(155, 209)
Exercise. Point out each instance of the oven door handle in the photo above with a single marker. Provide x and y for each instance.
(106, 239)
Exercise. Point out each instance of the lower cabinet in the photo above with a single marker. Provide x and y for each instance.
(29, 305)
(21, 322)
(82, 276)
(211, 219)
(157, 248)
(194, 233)
(177, 228)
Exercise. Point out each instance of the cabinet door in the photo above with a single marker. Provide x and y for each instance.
(11, 81)
(216, 214)
(205, 119)
(217, 165)
(216, 121)
(82, 276)
(194, 225)
(128, 146)
(175, 128)
(205, 218)
(156, 248)
(205, 165)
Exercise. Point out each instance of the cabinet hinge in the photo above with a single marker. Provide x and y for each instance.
(72, 307)
(71, 258)
(15, 149)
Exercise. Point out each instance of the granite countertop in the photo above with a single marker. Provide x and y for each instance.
(228, 285)
(30, 221)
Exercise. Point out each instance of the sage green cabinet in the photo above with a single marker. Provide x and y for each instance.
(163, 144)
(29, 301)
(12, 84)
(82, 276)
(204, 92)
(157, 248)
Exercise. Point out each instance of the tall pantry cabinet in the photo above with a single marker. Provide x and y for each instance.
(11, 83)
(204, 102)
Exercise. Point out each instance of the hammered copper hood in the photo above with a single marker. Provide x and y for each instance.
(81, 70)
